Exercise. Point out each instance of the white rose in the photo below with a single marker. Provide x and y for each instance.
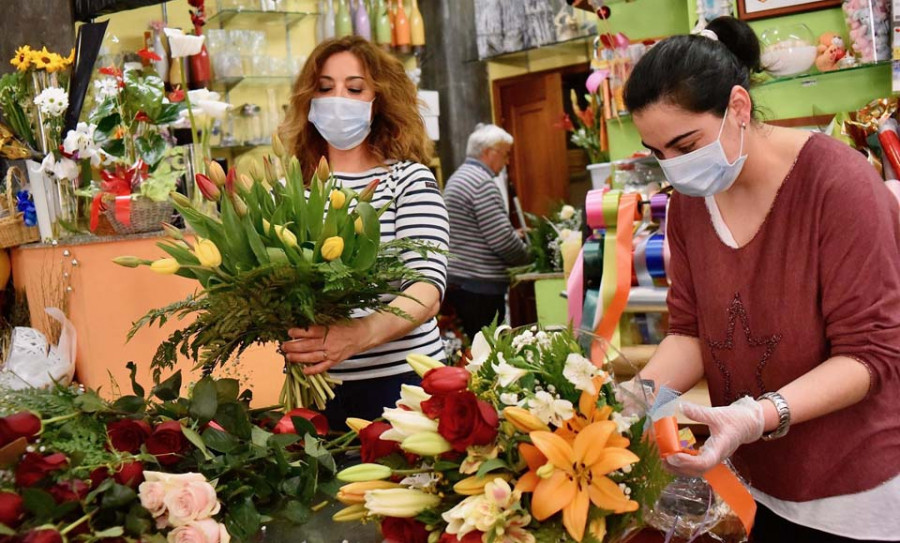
(152, 495)
(567, 212)
(173, 479)
(193, 501)
(201, 531)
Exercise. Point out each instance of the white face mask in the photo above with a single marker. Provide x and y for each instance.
(343, 122)
(705, 171)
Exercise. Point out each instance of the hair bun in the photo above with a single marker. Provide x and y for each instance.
(740, 39)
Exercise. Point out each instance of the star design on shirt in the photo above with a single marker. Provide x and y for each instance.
(720, 349)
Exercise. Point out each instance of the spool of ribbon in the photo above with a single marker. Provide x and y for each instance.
(589, 256)
(659, 203)
(720, 478)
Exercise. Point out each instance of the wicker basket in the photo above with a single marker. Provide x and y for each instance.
(13, 231)
(146, 215)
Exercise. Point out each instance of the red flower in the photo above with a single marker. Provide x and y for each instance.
(167, 443)
(149, 55)
(143, 117)
(465, 420)
(111, 70)
(286, 425)
(130, 474)
(229, 180)
(471, 537)
(208, 189)
(34, 467)
(564, 123)
(445, 379)
(176, 96)
(42, 536)
(433, 406)
(98, 476)
(373, 447)
(128, 435)
(18, 425)
(69, 491)
(587, 117)
(10, 509)
(403, 530)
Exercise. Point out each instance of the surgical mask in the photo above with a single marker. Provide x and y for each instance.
(343, 122)
(705, 171)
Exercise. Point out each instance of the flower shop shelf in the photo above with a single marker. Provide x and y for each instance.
(229, 83)
(812, 77)
(516, 57)
(256, 17)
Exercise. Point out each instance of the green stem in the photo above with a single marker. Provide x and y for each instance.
(187, 101)
(344, 449)
(72, 526)
(412, 471)
(60, 418)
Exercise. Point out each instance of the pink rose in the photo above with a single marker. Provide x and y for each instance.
(200, 531)
(192, 501)
(152, 495)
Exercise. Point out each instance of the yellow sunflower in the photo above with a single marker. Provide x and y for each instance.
(56, 63)
(22, 60)
(42, 59)
(67, 61)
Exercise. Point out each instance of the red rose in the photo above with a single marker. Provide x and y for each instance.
(42, 536)
(432, 407)
(69, 491)
(33, 467)
(98, 476)
(130, 474)
(471, 537)
(403, 530)
(128, 435)
(10, 508)
(465, 420)
(18, 425)
(445, 379)
(167, 442)
(286, 425)
(373, 447)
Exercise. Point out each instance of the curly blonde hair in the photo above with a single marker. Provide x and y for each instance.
(398, 131)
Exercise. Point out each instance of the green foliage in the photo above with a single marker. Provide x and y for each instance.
(15, 107)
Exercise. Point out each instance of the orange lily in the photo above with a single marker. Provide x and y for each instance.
(588, 413)
(578, 476)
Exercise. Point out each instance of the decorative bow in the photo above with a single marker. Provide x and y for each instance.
(120, 183)
(26, 206)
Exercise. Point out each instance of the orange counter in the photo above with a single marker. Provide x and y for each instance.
(103, 301)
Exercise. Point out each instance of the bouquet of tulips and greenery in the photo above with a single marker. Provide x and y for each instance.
(282, 254)
(526, 443)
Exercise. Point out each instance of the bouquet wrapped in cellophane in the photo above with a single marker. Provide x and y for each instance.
(281, 254)
(527, 443)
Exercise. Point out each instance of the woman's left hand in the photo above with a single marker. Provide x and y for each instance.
(321, 347)
(729, 427)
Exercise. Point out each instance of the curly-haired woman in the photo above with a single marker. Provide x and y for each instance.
(354, 104)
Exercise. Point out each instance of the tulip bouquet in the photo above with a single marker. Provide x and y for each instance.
(526, 443)
(199, 468)
(282, 254)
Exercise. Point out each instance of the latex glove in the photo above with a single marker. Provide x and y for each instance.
(729, 428)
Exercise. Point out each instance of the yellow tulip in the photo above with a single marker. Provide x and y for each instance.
(357, 425)
(216, 173)
(269, 170)
(421, 363)
(244, 183)
(165, 266)
(240, 206)
(286, 236)
(277, 145)
(361, 473)
(523, 420)
(351, 514)
(129, 261)
(399, 502)
(266, 226)
(426, 444)
(358, 226)
(181, 200)
(355, 493)
(332, 248)
(255, 172)
(472, 486)
(338, 199)
(172, 231)
(207, 253)
(323, 171)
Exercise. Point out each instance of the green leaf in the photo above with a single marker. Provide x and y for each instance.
(227, 390)
(242, 520)
(138, 389)
(256, 244)
(260, 437)
(234, 418)
(90, 402)
(296, 512)
(130, 404)
(169, 113)
(142, 93)
(106, 127)
(366, 254)
(138, 522)
(170, 389)
(117, 496)
(115, 531)
(491, 465)
(151, 148)
(191, 435)
(240, 256)
(204, 400)
(315, 449)
(220, 441)
(303, 426)
(39, 503)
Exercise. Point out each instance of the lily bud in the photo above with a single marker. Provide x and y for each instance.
(130, 261)
(355, 493)
(357, 425)
(446, 379)
(426, 444)
(474, 485)
(172, 232)
(523, 420)
(207, 253)
(405, 423)
(244, 183)
(277, 145)
(208, 189)
(400, 502)
(286, 236)
(361, 473)
(165, 266)
(368, 192)
(269, 169)
(338, 199)
(181, 200)
(412, 397)
(216, 173)
(421, 363)
(240, 207)
(351, 514)
(266, 226)
(358, 226)
(332, 248)
(323, 172)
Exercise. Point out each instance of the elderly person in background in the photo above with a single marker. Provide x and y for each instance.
(483, 242)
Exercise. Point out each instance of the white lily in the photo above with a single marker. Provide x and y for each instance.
(64, 168)
(399, 502)
(481, 351)
(550, 409)
(507, 374)
(80, 143)
(406, 423)
(412, 397)
(181, 44)
(581, 372)
(567, 212)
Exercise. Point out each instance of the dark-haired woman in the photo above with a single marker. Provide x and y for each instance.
(785, 295)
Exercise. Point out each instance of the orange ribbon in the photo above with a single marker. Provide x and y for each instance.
(720, 478)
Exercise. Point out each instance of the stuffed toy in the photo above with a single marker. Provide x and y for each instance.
(830, 51)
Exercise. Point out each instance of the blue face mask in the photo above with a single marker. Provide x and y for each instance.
(705, 171)
(343, 122)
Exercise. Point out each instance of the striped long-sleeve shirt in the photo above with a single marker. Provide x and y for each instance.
(416, 211)
(483, 242)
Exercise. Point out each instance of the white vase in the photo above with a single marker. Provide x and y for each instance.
(46, 201)
(600, 173)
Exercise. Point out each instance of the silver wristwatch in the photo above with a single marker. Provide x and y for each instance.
(784, 415)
